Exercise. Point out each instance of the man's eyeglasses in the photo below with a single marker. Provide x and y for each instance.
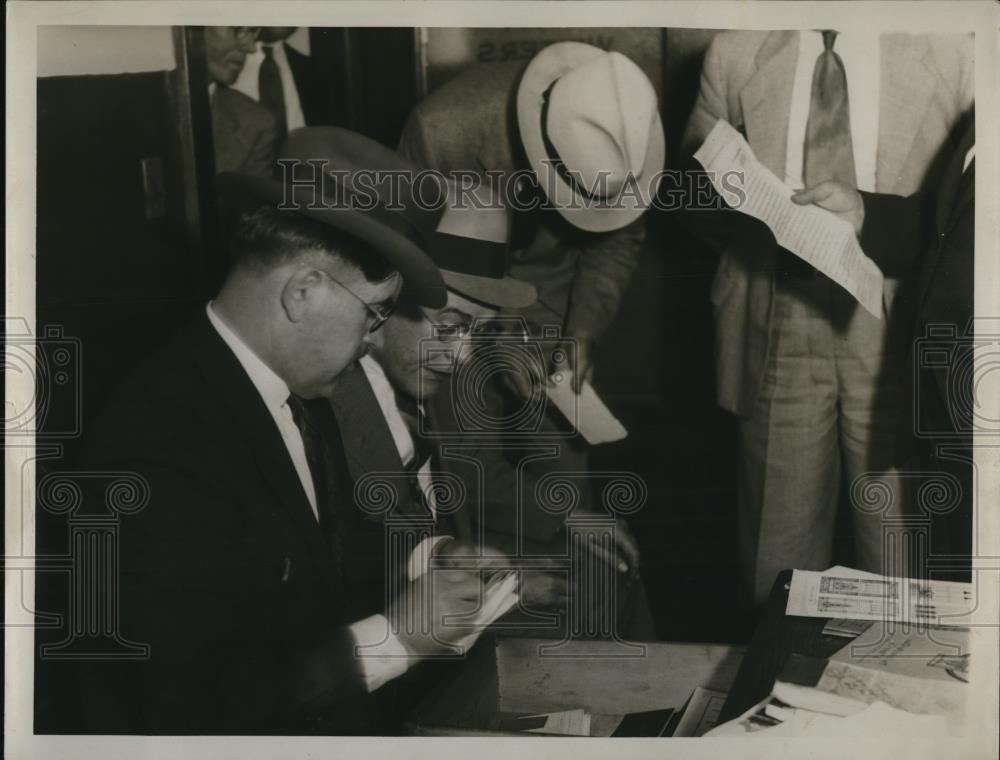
(378, 313)
(246, 33)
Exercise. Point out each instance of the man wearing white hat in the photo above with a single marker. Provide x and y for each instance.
(578, 133)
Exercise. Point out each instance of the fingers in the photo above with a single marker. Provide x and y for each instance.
(608, 556)
(627, 543)
(457, 584)
(815, 194)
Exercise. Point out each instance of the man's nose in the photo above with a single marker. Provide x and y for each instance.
(246, 44)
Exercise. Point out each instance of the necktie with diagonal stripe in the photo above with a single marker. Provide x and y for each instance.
(828, 152)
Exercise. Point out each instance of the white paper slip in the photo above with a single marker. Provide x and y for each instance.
(593, 420)
(860, 596)
(566, 723)
(811, 233)
(702, 712)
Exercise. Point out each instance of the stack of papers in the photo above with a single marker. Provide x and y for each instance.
(901, 671)
(852, 594)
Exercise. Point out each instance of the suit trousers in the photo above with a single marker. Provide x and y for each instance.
(826, 414)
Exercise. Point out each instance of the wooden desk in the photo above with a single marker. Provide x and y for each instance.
(511, 675)
(776, 637)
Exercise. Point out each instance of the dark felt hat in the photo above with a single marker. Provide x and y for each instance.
(317, 176)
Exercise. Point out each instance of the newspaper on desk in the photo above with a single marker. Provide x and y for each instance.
(811, 233)
(846, 593)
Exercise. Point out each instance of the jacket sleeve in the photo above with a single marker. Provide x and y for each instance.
(710, 105)
(260, 161)
(222, 655)
(413, 143)
(604, 270)
(895, 230)
(704, 214)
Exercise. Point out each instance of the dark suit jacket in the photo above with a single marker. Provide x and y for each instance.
(313, 86)
(243, 133)
(226, 573)
(489, 483)
(930, 238)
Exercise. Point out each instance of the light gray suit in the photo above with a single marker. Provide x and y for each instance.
(243, 133)
(788, 493)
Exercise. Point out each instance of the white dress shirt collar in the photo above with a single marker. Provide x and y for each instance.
(269, 385)
(386, 397)
(248, 81)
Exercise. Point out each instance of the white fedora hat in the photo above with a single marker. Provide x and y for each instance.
(592, 133)
(470, 247)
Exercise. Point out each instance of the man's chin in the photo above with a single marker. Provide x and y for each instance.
(430, 383)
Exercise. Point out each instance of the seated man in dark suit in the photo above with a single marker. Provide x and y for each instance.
(929, 237)
(235, 574)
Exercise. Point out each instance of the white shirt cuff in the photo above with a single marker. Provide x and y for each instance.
(420, 558)
(381, 654)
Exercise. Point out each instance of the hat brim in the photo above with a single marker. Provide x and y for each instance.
(585, 214)
(504, 293)
(421, 277)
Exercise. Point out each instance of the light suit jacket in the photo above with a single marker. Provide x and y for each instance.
(243, 133)
(747, 77)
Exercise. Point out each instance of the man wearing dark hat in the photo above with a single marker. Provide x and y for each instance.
(236, 574)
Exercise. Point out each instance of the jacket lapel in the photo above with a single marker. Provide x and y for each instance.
(227, 382)
(368, 443)
(903, 100)
(766, 99)
(957, 190)
(231, 150)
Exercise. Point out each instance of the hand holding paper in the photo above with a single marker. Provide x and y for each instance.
(817, 236)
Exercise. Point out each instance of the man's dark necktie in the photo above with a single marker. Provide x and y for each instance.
(272, 92)
(320, 467)
(423, 450)
(829, 153)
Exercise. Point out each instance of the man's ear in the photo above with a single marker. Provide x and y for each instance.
(299, 289)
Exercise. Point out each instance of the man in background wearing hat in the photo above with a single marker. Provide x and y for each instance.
(235, 575)
(547, 134)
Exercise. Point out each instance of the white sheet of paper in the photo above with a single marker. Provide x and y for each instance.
(567, 722)
(811, 233)
(846, 593)
(593, 420)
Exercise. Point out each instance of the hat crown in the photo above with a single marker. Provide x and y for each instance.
(600, 119)
(475, 213)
